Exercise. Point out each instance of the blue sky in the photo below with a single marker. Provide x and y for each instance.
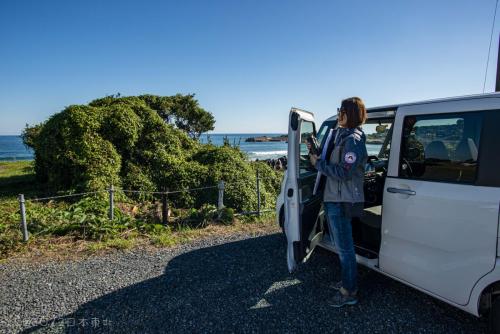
(247, 62)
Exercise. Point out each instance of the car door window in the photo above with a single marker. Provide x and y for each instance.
(442, 147)
(378, 137)
(306, 130)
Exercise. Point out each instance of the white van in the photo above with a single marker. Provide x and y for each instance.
(432, 190)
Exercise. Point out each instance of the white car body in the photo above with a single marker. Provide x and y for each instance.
(441, 238)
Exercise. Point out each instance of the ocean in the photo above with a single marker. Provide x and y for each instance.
(12, 147)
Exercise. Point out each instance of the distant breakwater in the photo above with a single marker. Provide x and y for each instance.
(264, 139)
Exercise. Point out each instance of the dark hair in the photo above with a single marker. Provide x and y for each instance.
(355, 111)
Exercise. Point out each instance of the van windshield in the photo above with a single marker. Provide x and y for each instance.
(323, 131)
(378, 134)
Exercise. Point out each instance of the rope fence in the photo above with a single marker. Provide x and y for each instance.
(164, 201)
(166, 192)
(65, 196)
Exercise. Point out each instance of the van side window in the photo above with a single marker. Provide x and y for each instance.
(442, 147)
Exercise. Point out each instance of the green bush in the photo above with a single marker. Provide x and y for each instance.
(70, 153)
(121, 126)
(240, 176)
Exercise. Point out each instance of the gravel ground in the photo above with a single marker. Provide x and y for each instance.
(230, 284)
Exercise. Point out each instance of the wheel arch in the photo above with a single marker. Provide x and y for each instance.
(488, 296)
(482, 289)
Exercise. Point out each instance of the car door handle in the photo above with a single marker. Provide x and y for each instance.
(401, 191)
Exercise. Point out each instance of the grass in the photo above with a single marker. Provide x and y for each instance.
(16, 168)
(115, 243)
(172, 237)
(15, 178)
(56, 227)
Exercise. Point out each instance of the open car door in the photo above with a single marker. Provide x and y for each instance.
(301, 206)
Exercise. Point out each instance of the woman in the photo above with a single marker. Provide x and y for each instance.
(343, 192)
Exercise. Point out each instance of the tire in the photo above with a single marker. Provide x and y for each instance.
(494, 317)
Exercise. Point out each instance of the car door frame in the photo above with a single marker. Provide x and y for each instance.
(298, 247)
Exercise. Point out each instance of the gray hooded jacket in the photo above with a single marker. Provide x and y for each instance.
(345, 169)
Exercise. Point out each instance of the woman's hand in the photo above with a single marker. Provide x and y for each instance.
(313, 158)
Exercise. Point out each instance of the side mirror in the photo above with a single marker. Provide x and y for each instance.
(381, 128)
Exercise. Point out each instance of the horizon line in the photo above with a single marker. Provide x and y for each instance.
(204, 133)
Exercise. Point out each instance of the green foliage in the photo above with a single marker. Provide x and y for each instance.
(121, 126)
(190, 117)
(10, 234)
(207, 214)
(30, 134)
(16, 177)
(136, 178)
(230, 165)
(86, 219)
(202, 217)
(70, 153)
(270, 182)
(116, 243)
(226, 216)
(183, 111)
(163, 238)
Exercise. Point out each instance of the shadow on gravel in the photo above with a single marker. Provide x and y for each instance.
(244, 286)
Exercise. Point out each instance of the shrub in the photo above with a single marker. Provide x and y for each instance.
(69, 153)
(121, 126)
(228, 164)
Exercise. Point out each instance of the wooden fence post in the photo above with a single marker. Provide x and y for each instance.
(258, 193)
(111, 202)
(22, 209)
(164, 207)
(220, 201)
